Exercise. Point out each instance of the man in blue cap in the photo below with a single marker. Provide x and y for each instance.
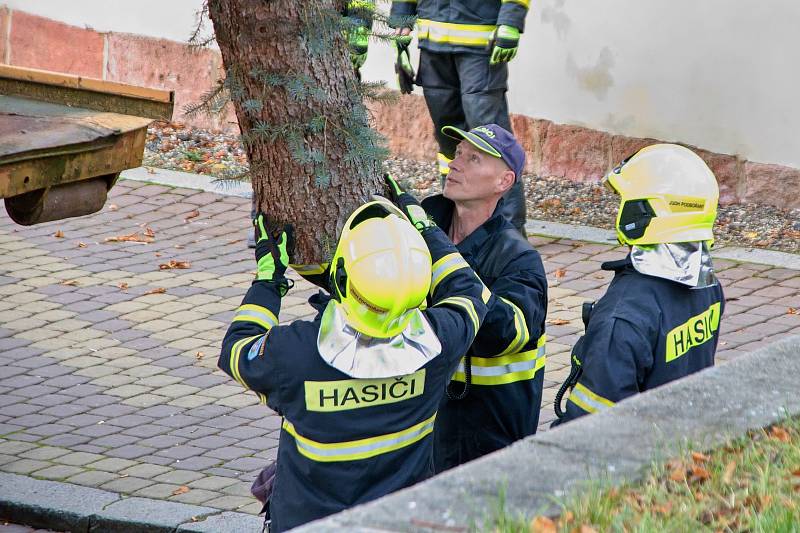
(495, 395)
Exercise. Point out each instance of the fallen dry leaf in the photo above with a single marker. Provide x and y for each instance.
(179, 246)
(558, 322)
(122, 285)
(560, 273)
(58, 234)
(69, 282)
(174, 264)
(183, 489)
(159, 254)
(158, 290)
(193, 214)
(148, 232)
(131, 237)
(698, 457)
(542, 524)
(698, 473)
(82, 245)
(751, 234)
(113, 207)
(199, 355)
(727, 475)
(779, 433)
(792, 311)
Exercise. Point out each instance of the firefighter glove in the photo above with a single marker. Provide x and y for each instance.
(358, 41)
(409, 205)
(505, 43)
(272, 252)
(402, 66)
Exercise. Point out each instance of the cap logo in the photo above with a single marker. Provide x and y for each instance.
(486, 131)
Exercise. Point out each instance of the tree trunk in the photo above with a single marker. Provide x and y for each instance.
(313, 157)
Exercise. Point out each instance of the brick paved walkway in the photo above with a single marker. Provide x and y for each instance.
(107, 362)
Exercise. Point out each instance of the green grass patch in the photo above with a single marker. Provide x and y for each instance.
(751, 484)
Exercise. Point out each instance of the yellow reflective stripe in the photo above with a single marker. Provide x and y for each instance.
(236, 352)
(588, 400)
(521, 327)
(467, 305)
(310, 270)
(359, 449)
(446, 266)
(505, 369)
(444, 163)
(262, 398)
(256, 314)
(486, 294)
(452, 33)
(524, 3)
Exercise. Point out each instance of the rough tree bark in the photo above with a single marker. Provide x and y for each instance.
(300, 113)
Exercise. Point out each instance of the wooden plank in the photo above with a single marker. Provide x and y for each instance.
(75, 91)
(79, 82)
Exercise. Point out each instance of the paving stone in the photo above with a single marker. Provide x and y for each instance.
(25, 466)
(66, 440)
(130, 451)
(83, 420)
(145, 400)
(79, 458)
(44, 453)
(163, 441)
(195, 496)
(97, 430)
(180, 452)
(112, 464)
(230, 503)
(213, 483)
(240, 488)
(92, 478)
(179, 477)
(57, 472)
(47, 430)
(146, 471)
(126, 485)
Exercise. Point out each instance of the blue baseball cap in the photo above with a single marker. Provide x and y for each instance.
(495, 141)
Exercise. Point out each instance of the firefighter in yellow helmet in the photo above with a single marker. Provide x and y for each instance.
(359, 386)
(659, 319)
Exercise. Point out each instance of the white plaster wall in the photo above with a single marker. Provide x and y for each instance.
(719, 74)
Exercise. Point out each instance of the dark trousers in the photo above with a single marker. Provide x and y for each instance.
(465, 91)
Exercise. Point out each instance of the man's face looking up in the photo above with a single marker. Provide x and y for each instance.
(476, 175)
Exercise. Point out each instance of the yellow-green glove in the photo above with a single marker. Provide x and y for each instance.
(272, 253)
(505, 43)
(408, 204)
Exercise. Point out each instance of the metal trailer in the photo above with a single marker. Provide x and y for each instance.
(64, 140)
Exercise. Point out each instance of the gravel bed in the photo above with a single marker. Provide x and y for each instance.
(174, 147)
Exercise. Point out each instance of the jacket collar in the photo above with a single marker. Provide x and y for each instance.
(441, 210)
(618, 265)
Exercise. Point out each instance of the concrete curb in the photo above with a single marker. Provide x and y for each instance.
(543, 228)
(187, 180)
(67, 507)
(703, 410)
